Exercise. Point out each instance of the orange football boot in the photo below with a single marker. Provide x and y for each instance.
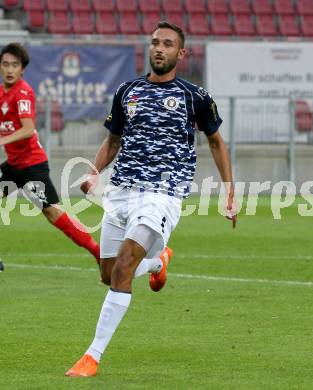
(86, 366)
(157, 281)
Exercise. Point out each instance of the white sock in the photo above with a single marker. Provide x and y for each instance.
(113, 310)
(148, 265)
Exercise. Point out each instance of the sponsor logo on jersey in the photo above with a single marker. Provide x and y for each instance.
(203, 92)
(4, 108)
(23, 106)
(36, 190)
(24, 92)
(7, 126)
(132, 106)
(171, 103)
(214, 111)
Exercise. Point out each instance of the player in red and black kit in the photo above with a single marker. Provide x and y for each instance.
(27, 164)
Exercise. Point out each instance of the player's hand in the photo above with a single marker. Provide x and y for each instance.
(89, 184)
(231, 212)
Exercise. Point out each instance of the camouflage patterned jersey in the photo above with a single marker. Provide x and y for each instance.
(157, 124)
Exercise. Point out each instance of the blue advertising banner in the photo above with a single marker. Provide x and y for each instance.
(79, 77)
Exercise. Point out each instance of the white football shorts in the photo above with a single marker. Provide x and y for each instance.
(127, 208)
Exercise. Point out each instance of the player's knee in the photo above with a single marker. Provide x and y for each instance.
(52, 213)
(123, 268)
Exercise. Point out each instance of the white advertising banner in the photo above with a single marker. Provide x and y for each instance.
(264, 69)
(262, 77)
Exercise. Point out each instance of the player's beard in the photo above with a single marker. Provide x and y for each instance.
(163, 68)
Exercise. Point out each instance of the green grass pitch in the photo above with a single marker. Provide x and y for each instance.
(236, 312)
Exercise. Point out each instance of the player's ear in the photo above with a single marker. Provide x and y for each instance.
(181, 54)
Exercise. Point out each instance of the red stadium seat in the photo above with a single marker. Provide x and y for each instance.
(106, 23)
(304, 117)
(124, 6)
(283, 7)
(304, 7)
(183, 65)
(176, 18)
(11, 4)
(217, 7)
(149, 21)
(262, 7)
(197, 55)
(195, 7)
(288, 27)
(103, 5)
(172, 6)
(79, 5)
(265, 26)
(306, 25)
(57, 5)
(82, 23)
(34, 5)
(36, 20)
(243, 26)
(239, 7)
(198, 24)
(197, 50)
(147, 6)
(59, 23)
(220, 25)
(129, 23)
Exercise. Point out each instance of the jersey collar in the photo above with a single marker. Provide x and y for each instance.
(159, 84)
(13, 88)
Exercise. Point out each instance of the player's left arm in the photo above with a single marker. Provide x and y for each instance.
(209, 121)
(26, 131)
(221, 158)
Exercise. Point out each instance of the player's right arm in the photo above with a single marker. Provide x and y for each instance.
(26, 131)
(105, 155)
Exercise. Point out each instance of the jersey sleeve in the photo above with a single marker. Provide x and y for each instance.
(115, 121)
(25, 101)
(207, 117)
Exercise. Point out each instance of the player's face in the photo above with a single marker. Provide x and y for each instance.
(11, 69)
(165, 50)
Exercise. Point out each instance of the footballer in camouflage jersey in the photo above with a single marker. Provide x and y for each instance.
(151, 132)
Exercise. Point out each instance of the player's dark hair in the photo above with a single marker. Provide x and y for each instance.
(17, 50)
(174, 27)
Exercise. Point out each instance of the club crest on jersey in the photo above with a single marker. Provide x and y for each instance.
(132, 106)
(23, 107)
(4, 108)
(171, 103)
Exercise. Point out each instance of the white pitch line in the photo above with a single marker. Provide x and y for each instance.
(244, 257)
(183, 276)
(179, 256)
(50, 267)
(243, 280)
